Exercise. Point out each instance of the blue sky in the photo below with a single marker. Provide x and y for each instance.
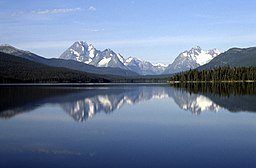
(154, 30)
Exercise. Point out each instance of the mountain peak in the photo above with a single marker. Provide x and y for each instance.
(108, 50)
(8, 46)
(91, 46)
(196, 48)
(214, 52)
(191, 59)
(82, 43)
(5, 45)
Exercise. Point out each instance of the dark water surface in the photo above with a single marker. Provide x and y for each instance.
(126, 126)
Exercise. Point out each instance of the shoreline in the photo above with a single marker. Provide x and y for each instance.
(239, 81)
(79, 84)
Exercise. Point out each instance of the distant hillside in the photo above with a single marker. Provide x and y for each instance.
(235, 57)
(16, 69)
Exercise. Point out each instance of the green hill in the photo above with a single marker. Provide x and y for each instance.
(16, 69)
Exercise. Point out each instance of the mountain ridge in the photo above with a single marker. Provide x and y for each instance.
(83, 57)
(82, 52)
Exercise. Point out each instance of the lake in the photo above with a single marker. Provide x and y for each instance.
(127, 126)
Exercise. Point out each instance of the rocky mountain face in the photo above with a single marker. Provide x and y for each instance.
(191, 59)
(88, 54)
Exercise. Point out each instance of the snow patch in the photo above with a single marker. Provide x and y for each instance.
(128, 60)
(104, 62)
(185, 54)
(77, 54)
(91, 53)
(90, 47)
(91, 50)
(121, 59)
(160, 65)
(203, 58)
(88, 62)
(82, 48)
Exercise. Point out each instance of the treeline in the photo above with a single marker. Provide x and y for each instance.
(217, 74)
(219, 88)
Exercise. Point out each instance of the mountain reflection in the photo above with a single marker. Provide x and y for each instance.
(194, 103)
(110, 99)
(82, 103)
(234, 97)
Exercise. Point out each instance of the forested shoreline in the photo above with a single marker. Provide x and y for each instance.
(219, 88)
(221, 74)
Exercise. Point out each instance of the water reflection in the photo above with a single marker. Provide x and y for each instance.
(82, 103)
(234, 97)
(195, 103)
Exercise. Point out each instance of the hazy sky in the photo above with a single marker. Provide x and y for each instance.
(154, 30)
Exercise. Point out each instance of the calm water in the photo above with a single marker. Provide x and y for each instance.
(125, 126)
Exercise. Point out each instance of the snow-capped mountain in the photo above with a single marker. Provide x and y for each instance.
(82, 52)
(191, 59)
(144, 67)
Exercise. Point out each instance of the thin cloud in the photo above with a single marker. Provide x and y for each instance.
(92, 9)
(56, 11)
(47, 11)
(89, 30)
